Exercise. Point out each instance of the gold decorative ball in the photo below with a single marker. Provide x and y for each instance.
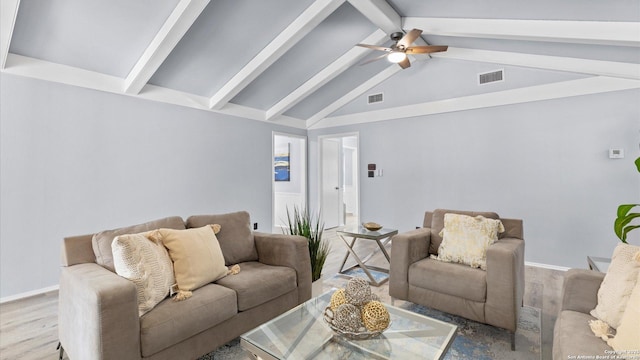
(337, 299)
(357, 291)
(375, 316)
(347, 318)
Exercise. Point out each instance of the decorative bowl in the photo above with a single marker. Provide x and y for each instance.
(362, 335)
(371, 226)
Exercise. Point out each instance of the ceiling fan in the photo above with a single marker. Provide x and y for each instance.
(397, 53)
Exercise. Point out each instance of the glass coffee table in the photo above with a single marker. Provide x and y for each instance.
(301, 333)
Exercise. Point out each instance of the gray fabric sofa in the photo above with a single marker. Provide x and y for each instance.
(493, 296)
(98, 312)
(572, 335)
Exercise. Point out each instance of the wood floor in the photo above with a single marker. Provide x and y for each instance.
(28, 327)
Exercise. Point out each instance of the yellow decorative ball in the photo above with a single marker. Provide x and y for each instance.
(375, 316)
(337, 299)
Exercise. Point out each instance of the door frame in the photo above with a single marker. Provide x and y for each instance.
(355, 134)
(304, 171)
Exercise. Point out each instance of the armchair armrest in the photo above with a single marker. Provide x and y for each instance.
(287, 250)
(406, 248)
(98, 314)
(580, 290)
(505, 282)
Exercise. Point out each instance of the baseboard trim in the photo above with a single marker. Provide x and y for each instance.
(27, 294)
(546, 266)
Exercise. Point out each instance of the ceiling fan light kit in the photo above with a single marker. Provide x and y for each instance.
(397, 53)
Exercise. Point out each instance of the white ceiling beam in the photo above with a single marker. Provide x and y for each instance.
(353, 94)
(300, 27)
(575, 65)
(8, 15)
(334, 69)
(177, 24)
(583, 32)
(380, 13)
(564, 89)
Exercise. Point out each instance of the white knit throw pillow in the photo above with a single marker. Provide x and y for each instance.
(618, 284)
(147, 264)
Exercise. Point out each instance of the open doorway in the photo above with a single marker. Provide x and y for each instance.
(339, 182)
(289, 176)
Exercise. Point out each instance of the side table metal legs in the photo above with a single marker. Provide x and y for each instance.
(361, 262)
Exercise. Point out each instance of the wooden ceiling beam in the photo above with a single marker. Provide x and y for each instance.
(299, 28)
(177, 24)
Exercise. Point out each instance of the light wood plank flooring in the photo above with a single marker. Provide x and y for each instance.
(28, 327)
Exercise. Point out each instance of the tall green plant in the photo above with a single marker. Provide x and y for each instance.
(622, 224)
(304, 224)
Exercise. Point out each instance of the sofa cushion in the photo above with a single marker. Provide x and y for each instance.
(449, 278)
(197, 258)
(437, 224)
(465, 239)
(618, 284)
(572, 337)
(235, 236)
(147, 264)
(171, 322)
(102, 241)
(258, 283)
(628, 333)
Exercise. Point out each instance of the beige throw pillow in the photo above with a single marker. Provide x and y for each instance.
(147, 264)
(627, 337)
(197, 258)
(618, 284)
(465, 239)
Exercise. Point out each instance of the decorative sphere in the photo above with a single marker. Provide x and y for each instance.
(375, 316)
(357, 291)
(337, 299)
(347, 318)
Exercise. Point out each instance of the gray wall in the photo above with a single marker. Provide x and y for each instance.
(76, 161)
(544, 162)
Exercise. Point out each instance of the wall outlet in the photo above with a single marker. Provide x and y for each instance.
(255, 226)
(616, 153)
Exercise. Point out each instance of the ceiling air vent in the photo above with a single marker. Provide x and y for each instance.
(375, 98)
(490, 77)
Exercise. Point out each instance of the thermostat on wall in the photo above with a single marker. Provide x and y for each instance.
(616, 153)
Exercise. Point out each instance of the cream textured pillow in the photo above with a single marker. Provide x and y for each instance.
(147, 264)
(628, 333)
(618, 284)
(196, 254)
(465, 239)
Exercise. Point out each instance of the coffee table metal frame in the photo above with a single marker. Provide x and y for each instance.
(302, 333)
(362, 233)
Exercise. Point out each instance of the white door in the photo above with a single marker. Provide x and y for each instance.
(331, 193)
(289, 177)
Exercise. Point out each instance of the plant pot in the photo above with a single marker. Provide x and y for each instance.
(316, 288)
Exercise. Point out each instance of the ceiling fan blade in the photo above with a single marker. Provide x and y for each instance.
(426, 49)
(372, 60)
(374, 47)
(404, 63)
(409, 38)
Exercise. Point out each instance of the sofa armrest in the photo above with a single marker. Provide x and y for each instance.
(505, 282)
(580, 290)
(406, 248)
(287, 250)
(98, 314)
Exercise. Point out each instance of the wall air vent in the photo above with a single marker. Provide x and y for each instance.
(490, 77)
(375, 98)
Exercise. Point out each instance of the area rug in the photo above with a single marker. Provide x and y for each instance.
(474, 341)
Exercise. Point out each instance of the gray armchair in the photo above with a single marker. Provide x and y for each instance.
(492, 297)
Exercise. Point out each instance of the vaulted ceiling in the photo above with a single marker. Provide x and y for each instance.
(294, 62)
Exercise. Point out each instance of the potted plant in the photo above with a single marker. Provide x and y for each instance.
(302, 223)
(622, 225)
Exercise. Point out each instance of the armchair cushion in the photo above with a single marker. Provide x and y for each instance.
(465, 239)
(437, 224)
(449, 278)
(258, 283)
(235, 236)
